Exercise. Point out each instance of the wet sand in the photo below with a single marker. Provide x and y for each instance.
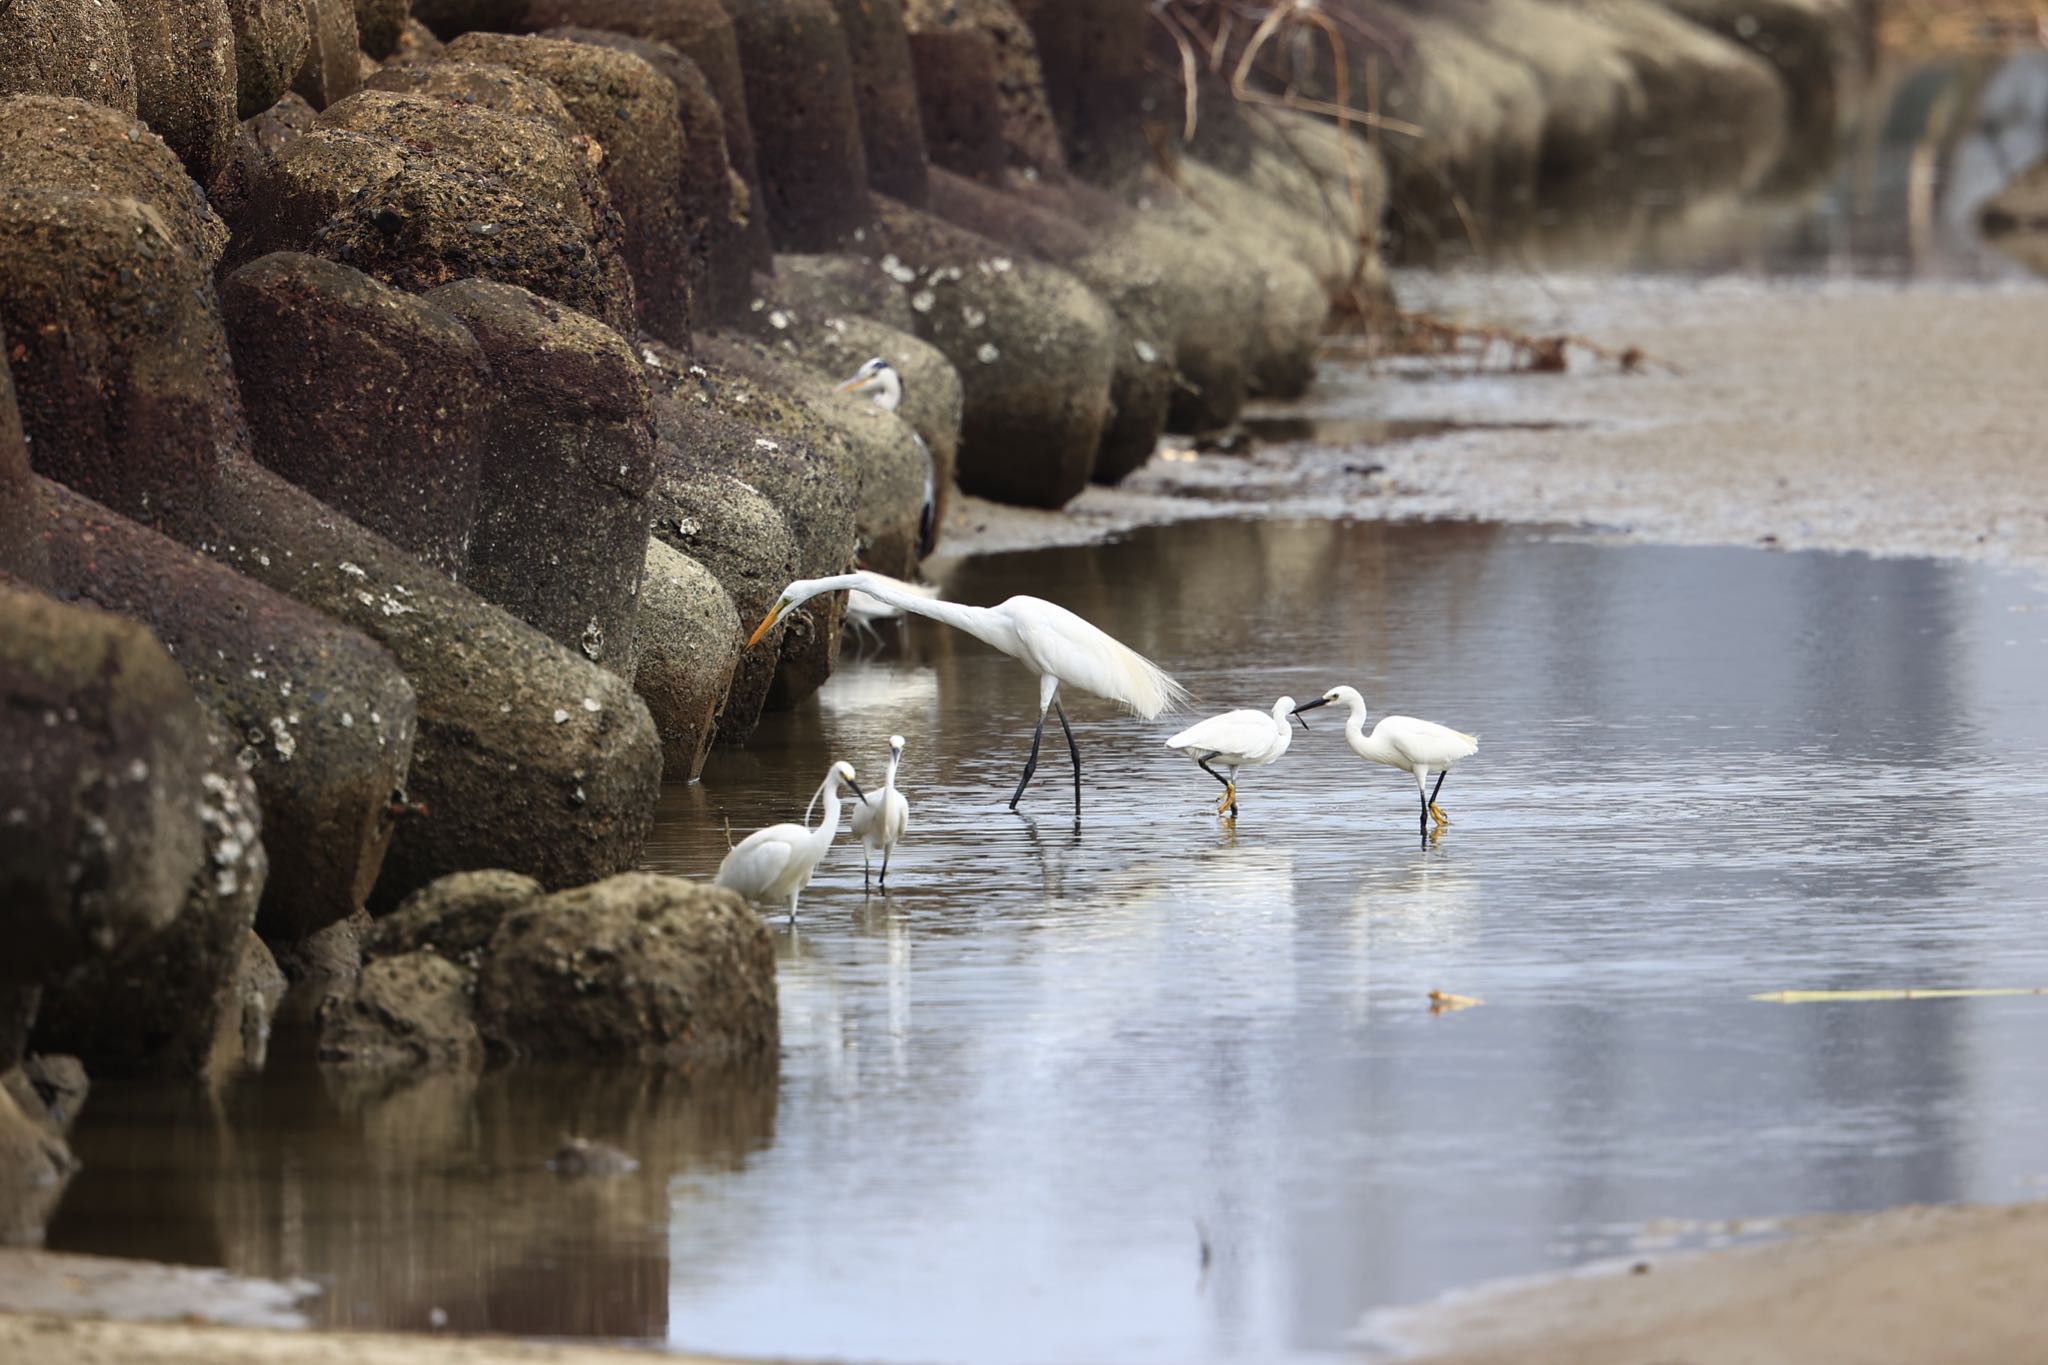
(1897, 420)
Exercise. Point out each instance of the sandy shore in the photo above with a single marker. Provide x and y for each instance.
(1852, 416)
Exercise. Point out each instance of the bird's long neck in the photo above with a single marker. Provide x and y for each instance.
(1362, 744)
(979, 622)
(828, 828)
(889, 781)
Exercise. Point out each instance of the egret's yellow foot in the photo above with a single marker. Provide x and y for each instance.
(1436, 813)
(1229, 798)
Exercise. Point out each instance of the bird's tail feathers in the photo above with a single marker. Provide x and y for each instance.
(1154, 691)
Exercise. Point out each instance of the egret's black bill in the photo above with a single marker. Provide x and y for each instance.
(1310, 706)
(856, 789)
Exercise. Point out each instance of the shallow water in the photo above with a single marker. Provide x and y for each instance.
(1163, 1090)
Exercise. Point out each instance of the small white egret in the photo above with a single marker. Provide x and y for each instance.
(1049, 640)
(880, 818)
(775, 864)
(1238, 739)
(881, 381)
(1415, 746)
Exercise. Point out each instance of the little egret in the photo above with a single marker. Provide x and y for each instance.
(879, 380)
(879, 820)
(1049, 640)
(1421, 747)
(775, 864)
(1237, 739)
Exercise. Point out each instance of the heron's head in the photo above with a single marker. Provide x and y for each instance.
(842, 771)
(1284, 708)
(878, 380)
(795, 595)
(895, 744)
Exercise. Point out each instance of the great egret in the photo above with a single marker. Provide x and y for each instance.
(879, 820)
(1237, 739)
(1049, 640)
(879, 380)
(775, 864)
(863, 611)
(1420, 747)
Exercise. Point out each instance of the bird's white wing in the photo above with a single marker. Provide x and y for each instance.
(1058, 642)
(1233, 732)
(754, 863)
(863, 815)
(1424, 741)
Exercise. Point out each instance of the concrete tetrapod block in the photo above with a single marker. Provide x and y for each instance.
(103, 753)
(1031, 140)
(380, 24)
(453, 916)
(1816, 47)
(421, 221)
(876, 452)
(639, 967)
(717, 420)
(323, 716)
(408, 1010)
(74, 48)
(885, 86)
(690, 639)
(1136, 284)
(632, 111)
(331, 70)
(963, 126)
(806, 122)
(830, 331)
(47, 142)
(35, 1166)
(1034, 348)
(527, 756)
(569, 462)
(22, 556)
(333, 365)
(185, 85)
(703, 32)
(158, 1004)
(1091, 59)
(718, 265)
(728, 527)
(271, 38)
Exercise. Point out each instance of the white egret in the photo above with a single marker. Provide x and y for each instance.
(1416, 746)
(1049, 640)
(879, 380)
(775, 864)
(880, 819)
(863, 610)
(1237, 739)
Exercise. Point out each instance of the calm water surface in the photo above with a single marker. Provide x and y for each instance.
(1157, 1089)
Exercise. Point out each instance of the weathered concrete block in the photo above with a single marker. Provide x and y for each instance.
(527, 756)
(376, 402)
(807, 130)
(35, 1166)
(702, 31)
(1092, 59)
(331, 70)
(728, 527)
(1034, 348)
(717, 267)
(885, 88)
(485, 85)
(380, 24)
(963, 127)
(62, 144)
(180, 1001)
(1031, 140)
(75, 48)
(637, 967)
(271, 38)
(421, 221)
(453, 916)
(690, 638)
(569, 462)
(632, 111)
(411, 1010)
(718, 419)
(51, 1089)
(103, 753)
(22, 556)
(184, 55)
(324, 716)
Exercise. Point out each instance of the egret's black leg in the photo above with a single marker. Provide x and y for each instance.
(1425, 814)
(1031, 763)
(1073, 752)
(1439, 785)
(885, 869)
(1203, 764)
(1229, 787)
(867, 868)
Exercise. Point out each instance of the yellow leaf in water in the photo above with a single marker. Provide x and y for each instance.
(1443, 1002)
(1929, 993)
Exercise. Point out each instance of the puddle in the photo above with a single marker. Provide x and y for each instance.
(1158, 1091)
